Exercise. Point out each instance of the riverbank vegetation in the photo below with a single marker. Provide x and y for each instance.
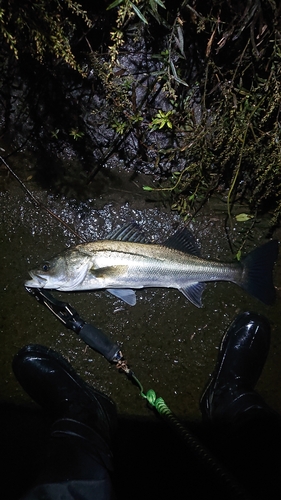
(187, 91)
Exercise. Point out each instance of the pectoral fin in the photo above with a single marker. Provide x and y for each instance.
(194, 293)
(124, 294)
(108, 271)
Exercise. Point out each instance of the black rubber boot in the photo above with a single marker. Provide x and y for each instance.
(242, 355)
(84, 423)
(242, 431)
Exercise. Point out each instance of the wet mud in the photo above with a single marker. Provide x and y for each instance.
(170, 344)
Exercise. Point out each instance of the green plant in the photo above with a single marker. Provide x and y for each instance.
(216, 70)
(120, 127)
(42, 28)
(140, 8)
(126, 12)
(161, 120)
(227, 122)
(55, 133)
(76, 134)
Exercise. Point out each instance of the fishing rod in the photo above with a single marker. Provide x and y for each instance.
(91, 335)
(97, 340)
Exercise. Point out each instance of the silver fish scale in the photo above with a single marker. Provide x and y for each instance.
(151, 266)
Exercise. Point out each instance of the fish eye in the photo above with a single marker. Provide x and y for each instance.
(45, 267)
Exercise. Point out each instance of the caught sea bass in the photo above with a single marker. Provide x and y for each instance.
(124, 262)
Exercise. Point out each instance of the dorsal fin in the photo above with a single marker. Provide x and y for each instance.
(184, 241)
(130, 232)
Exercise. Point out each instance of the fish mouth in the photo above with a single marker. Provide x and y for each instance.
(37, 281)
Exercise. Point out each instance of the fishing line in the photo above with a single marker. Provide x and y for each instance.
(39, 204)
(233, 489)
(98, 341)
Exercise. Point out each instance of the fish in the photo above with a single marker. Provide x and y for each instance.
(125, 262)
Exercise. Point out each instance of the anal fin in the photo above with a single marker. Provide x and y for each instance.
(193, 293)
(125, 294)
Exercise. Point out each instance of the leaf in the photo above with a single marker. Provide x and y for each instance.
(238, 255)
(243, 217)
(139, 14)
(114, 4)
(173, 69)
(179, 80)
(147, 188)
(160, 3)
(180, 41)
(210, 42)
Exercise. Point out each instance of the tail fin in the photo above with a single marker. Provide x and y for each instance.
(257, 275)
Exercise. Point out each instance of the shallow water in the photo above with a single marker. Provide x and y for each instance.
(169, 343)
